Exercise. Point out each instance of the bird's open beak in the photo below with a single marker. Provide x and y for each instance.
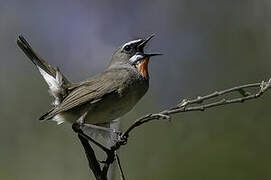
(140, 55)
(155, 54)
(141, 46)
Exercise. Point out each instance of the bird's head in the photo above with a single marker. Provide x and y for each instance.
(132, 54)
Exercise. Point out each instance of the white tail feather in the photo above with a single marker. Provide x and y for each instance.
(55, 85)
(50, 80)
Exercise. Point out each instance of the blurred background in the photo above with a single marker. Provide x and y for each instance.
(207, 45)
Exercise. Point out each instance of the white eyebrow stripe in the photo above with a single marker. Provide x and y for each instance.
(132, 42)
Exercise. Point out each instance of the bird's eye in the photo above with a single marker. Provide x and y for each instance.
(127, 48)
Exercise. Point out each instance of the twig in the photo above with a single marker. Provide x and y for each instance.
(196, 104)
(92, 160)
(185, 105)
(119, 166)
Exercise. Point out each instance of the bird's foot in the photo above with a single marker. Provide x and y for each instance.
(122, 140)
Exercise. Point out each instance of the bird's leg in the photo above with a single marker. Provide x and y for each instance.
(78, 128)
(101, 129)
(94, 164)
(108, 131)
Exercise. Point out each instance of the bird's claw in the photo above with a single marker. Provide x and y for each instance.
(122, 140)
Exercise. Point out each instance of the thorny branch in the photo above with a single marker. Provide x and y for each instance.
(200, 103)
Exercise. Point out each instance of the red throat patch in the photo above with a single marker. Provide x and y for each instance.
(142, 67)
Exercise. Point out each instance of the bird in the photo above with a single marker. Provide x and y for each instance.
(99, 101)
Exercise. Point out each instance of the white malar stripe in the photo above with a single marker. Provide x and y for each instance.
(132, 42)
(50, 80)
(135, 58)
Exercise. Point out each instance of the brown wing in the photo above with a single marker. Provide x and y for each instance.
(91, 91)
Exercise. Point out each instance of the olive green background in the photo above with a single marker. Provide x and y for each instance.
(208, 45)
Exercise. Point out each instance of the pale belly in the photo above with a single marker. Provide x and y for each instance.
(108, 109)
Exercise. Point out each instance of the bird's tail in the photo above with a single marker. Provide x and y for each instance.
(35, 58)
(54, 78)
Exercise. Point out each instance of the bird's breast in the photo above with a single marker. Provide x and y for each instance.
(117, 104)
(142, 67)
